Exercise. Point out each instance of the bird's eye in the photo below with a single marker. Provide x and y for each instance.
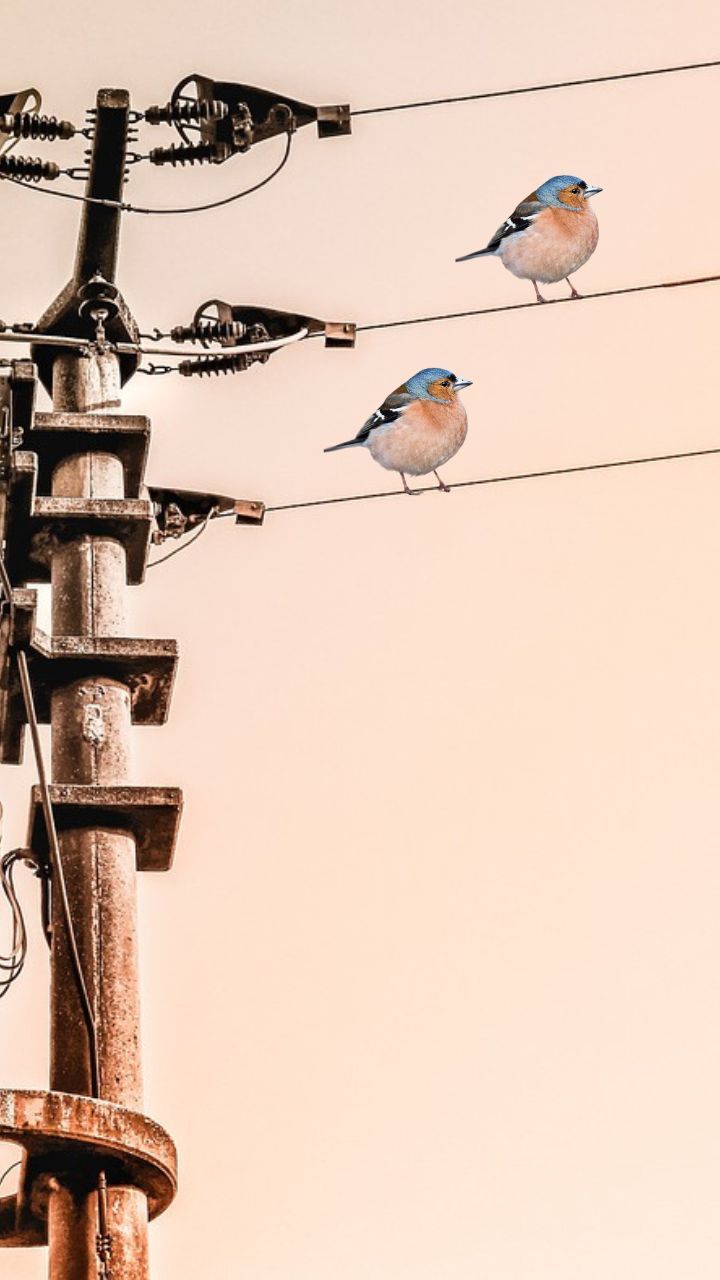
(575, 191)
(445, 382)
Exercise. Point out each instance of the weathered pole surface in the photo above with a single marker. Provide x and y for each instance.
(90, 733)
(94, 1168)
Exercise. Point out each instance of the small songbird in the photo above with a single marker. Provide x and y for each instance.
(420, 426)
(551, 234)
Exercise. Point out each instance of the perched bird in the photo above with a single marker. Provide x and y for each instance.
(418, 427)
(551, 234)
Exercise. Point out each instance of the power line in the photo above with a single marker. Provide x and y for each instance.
(521, 475)
(26, 333)
(549, 302)
(461, 484)
(131, 208)
(536, 88)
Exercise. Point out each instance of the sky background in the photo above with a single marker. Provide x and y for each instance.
(432, 989)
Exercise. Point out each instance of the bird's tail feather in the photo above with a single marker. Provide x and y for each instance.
(346, 444)
(479, 253)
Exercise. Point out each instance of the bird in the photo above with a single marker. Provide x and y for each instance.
(418, 427)
(551, 234)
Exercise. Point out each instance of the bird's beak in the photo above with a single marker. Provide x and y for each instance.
(462, 382)
(592, 191)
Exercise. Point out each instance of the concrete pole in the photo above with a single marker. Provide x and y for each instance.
(90, 732)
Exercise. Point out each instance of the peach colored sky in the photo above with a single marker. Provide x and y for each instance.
(432, 990)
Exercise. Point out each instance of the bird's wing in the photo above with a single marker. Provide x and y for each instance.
(390, 410)
(520, 219)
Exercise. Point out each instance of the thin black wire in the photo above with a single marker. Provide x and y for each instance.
(217, 204)
(15, 1165)
(536, 88)
(184, 545)
(523, 475)
(12, 965)
(59, 871)
(131, 208)
(549, 302)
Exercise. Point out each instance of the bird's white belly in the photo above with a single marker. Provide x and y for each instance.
(417, 445)
(550, 251)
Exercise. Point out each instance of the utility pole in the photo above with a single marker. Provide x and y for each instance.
(95, 1168)
(74, 512)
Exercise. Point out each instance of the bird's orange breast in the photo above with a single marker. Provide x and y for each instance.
(557, 243)
(423, 438)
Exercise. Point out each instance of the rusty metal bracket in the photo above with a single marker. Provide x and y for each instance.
(67, 1136)
(248, 512)
(55, 436)
(17, 411)
(147, 667)
(23, 391)
(340, 334)
(35, 525)
(150, 814)
(334, 122)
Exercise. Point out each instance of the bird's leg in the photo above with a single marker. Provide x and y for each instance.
(573, 291)
(538, 294)
(412, 492)
(441, 483)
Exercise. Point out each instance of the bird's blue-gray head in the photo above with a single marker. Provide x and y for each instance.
(565, 192)
(434, 384)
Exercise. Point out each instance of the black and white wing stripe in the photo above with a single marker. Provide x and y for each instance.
(520, 220)
(389, 412)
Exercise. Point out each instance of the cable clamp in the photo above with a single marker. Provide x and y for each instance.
(156, 370)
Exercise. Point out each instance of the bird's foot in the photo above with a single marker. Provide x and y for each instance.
(441, 483)
(412, 493)
(573, 291)
(538, 294)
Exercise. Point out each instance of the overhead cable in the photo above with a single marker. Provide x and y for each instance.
(524, 306)
(536, 88)
(520, 475)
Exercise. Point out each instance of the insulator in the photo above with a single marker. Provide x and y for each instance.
(221, 364)
(27, 169)
(202, 153)
(206, 331)
(23, 124)
(188, 112)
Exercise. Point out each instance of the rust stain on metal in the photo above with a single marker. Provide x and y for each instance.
(93, 730)
(67, 1136)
